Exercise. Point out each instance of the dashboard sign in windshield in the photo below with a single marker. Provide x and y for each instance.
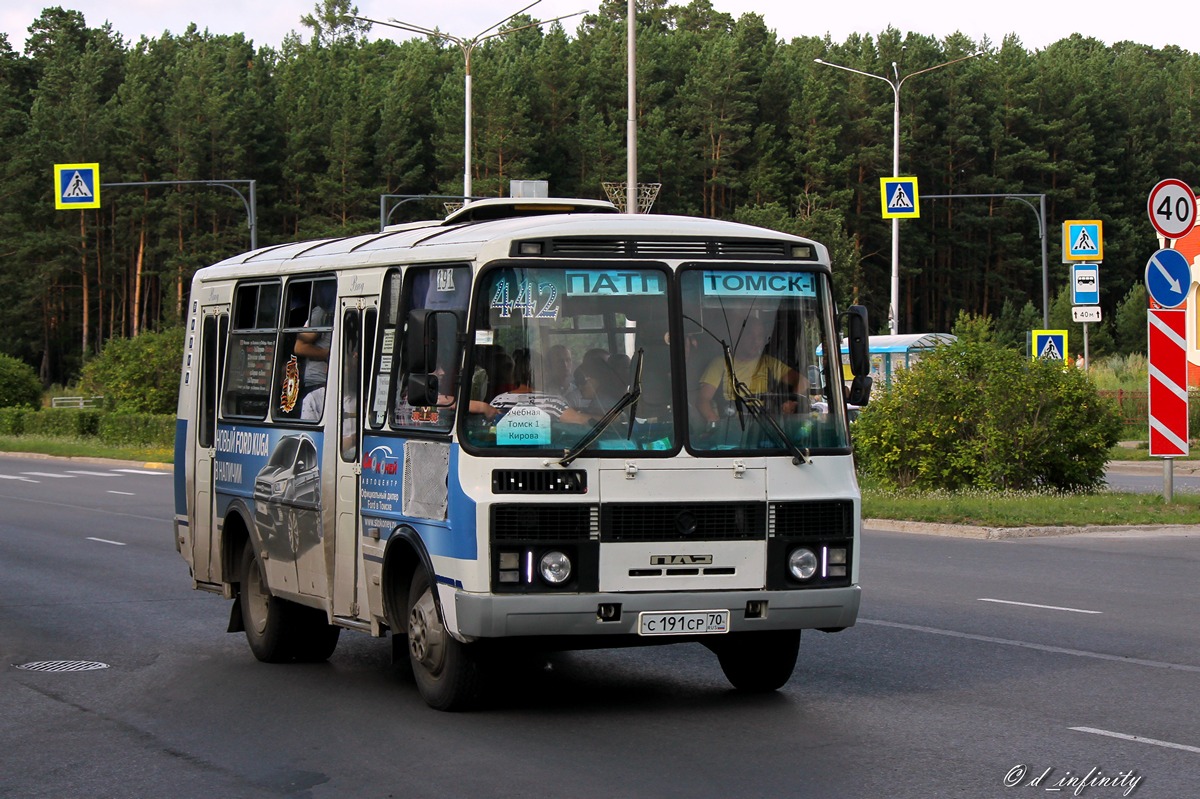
(614, 283)
(759, 284)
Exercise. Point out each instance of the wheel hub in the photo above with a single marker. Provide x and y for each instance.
(426, 635)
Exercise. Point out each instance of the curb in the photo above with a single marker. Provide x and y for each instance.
(41, 456)
(1004, 533)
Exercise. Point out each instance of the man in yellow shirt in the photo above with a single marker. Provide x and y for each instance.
(761, 373)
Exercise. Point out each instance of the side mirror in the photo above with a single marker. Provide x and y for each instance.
(422, 390)
(420, 342)
(858, 342)
(860, 390)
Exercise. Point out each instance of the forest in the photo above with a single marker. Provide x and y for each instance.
(732, 121)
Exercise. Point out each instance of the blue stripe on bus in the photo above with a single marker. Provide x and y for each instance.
(382, 501)
(181, 428)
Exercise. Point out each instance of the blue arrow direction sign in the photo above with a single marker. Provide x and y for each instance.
(1168, 278)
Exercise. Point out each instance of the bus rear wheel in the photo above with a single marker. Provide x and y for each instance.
(279, 631)
(447, 671)
(758, 662)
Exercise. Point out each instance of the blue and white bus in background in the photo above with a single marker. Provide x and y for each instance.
(536, 423)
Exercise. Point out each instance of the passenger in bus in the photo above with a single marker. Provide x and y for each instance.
(597, 388)
(526, 393)
(761, 372)
(313, 347)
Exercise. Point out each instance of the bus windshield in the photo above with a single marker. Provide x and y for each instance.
(754, 376)
(556, 349)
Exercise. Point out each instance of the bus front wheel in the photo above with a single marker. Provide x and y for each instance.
(758, 662)
(447, 671)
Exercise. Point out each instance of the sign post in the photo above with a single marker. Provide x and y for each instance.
(1172, 210)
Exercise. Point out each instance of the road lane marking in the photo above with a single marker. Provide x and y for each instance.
(18, 477)
(47, 474)
(106, 541)
(124, 493)
(1043, 607)
(90, 474)
(1138, 739)
(140, 471)
(1057, 650)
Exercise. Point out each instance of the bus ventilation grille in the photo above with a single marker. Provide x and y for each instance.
(596, 247)
(551, 522)
(539, 481)
(684, 521)
(832, 518)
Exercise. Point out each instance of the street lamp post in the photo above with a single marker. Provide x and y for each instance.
(468, 48)
(895, 82)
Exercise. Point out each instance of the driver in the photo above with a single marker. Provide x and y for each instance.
(762, 373)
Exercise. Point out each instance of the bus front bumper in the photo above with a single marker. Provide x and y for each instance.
(491, 616)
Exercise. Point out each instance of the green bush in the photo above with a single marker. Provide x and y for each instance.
(62, 422)
(972, 414)
(138, 375)
(137, 429)
(12, 421)
(19, 384)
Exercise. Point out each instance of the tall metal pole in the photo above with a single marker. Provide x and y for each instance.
(894, 302)
(467, 124)
(631, 189)
(468, 47)
(895, 82)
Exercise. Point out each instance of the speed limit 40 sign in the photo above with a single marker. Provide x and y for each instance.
(1172, 208)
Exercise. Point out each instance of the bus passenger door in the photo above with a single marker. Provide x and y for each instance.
(214, 327)
(358, 336)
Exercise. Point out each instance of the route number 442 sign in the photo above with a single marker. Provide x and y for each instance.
(1172, 208)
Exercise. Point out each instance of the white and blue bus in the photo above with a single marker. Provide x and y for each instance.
(539, 424)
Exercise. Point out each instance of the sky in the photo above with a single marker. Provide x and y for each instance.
(1037, 23)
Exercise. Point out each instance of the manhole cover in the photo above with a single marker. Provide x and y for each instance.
(63, 665)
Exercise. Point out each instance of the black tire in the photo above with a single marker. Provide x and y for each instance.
(316, 638)
(758, 662)
(269, 621)
(279, 631)
(447, 671)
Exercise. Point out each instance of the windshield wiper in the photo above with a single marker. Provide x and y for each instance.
(628, 400)
(744, 399)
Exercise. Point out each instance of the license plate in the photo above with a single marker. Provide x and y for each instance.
(688, 622)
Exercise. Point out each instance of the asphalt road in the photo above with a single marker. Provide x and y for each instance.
(1040, 662)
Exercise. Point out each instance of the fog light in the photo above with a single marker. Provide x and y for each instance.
(802, 563)
(837, 555)
(555, 567)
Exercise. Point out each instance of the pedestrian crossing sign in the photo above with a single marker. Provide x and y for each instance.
(1050, 345)
(899, 198)
(76, 186)
(1083, 240)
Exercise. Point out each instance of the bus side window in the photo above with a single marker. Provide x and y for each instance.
(251, 351)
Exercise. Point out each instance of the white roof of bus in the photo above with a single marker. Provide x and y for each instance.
(405, 242)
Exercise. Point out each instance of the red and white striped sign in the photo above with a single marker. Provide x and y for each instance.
(1168, 383)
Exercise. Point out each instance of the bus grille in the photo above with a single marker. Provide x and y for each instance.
(684, 521)
(832, 518)
(549, 522)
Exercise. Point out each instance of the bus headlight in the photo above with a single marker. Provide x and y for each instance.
(802, 563)
(555, 567)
